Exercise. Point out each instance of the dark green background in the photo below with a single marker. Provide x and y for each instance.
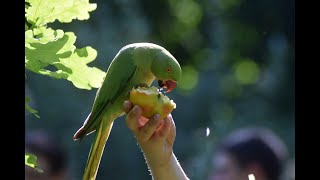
(238, 70)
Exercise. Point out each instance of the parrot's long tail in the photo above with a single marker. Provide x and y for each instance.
(96, 151)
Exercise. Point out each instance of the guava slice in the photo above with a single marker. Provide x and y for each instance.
(152, 101)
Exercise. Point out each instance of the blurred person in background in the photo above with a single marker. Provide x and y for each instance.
(253, 151)
(51, 158)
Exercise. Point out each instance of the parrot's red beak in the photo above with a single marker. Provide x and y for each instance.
(169, 84)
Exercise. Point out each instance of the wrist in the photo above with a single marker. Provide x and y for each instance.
(167, 170)
(162, 162)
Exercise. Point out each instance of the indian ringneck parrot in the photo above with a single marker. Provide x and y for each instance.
(135, 64)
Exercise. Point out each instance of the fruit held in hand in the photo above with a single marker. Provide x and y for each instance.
(151, 101)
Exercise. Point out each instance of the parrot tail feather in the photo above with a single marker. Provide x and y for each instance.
(96, 151)
(79, 134)
(83, 131)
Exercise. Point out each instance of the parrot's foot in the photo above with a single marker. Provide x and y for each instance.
(141, 85)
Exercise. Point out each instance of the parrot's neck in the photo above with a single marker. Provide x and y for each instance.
(145, 76)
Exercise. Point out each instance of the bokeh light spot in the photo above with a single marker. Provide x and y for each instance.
(246, 72)
(189, 78)
(188, 12)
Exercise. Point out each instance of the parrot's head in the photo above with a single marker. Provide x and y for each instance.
(166, 69)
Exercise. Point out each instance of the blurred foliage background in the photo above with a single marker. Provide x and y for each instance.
(238, 63)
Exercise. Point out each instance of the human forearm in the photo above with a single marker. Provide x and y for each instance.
(171, 170)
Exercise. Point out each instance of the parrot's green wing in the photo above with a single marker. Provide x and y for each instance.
(102, 106)
(120, 72)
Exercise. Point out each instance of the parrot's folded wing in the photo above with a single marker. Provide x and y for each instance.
(110, 90)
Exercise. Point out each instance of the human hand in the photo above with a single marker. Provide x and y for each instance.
(155, 135)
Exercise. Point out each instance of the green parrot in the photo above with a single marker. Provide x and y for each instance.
(135, 64)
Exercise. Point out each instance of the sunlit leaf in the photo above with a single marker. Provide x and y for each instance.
(52, 53)
(28, 108)
(83, 76)
(31, 161)
(42, 35)
(42, 12)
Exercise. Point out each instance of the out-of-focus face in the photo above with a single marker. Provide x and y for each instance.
(226, 168)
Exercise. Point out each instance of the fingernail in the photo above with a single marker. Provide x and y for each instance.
(125, 104)
(157, 117)
(136, 109)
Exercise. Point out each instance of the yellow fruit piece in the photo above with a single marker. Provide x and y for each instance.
(152, 101)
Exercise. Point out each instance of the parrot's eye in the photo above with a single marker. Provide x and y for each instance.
(168, 69)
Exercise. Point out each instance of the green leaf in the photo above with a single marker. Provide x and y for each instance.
(42, 35)
(83, 76)
(42, 12)
(28, 108)
(52, 53)
(31, 161)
